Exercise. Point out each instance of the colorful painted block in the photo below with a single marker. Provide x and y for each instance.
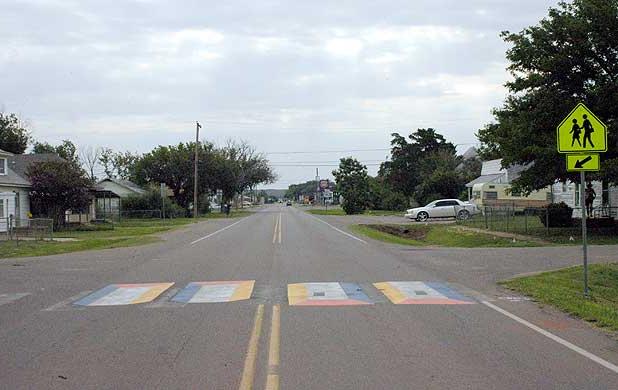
(124, 294)
(223, 291)
(326, 294)
(422, 293)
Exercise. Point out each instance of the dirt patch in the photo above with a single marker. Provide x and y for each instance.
(417, 233)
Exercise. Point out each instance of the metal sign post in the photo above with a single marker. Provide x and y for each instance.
(582, 179)
(582, 136)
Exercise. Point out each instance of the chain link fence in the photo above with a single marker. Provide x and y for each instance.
(26, 229)
(543, 221)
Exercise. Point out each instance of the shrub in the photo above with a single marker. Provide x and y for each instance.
(557, 215)
(151, 200)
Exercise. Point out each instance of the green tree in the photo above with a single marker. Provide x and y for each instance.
(410, 160)
(353, 185)
(67, 150)
(118, 164)
(14, 137)
(295, 190)
(58, 186)
(382, 196)
(568, 57)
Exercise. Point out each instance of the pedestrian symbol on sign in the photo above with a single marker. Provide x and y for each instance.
(581, 131)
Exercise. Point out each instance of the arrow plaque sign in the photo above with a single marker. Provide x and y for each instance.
(585, 162)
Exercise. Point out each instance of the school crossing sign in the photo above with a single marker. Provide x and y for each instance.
(582, 132)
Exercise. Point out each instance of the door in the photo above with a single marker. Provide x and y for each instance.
(7, 208)
(442, 209)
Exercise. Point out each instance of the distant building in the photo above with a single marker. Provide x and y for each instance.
(110, 191)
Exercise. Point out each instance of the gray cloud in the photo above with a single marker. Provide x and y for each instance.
(285, 75)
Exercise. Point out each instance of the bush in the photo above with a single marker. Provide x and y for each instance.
(151, 200)
(353, 205)
(560, 215)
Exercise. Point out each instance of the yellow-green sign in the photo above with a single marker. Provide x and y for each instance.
(583, 162)
(581, 131)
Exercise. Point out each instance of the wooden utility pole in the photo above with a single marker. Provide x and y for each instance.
(197, 145)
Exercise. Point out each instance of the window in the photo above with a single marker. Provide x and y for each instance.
(491, 195)
(2, 208)
(3, 166)
(492, 186)
(441, 204)
(476, 194)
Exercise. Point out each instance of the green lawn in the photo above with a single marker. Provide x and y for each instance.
(128, 232)
(441, 235)
(10, 249)
(564, 289)
(339, 211)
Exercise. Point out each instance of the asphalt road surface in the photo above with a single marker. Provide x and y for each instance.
(285, 300)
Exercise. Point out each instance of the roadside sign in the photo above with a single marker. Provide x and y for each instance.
(588, 162)
(324, 184)
(581, 131)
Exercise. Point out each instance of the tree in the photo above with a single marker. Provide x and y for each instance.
(303, 189)
(58, 186)
(568, 57)
(89, 159)
(14, 137)
(409, 160)
(67, 150)
(353, 185)
(118, 164)
(383, 197)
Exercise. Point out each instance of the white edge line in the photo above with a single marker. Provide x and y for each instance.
(557, 339)
(217, 232)
(337, 229)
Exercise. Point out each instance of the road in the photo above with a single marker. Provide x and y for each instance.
(460, 331)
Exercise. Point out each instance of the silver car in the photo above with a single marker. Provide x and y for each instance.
(443, 208)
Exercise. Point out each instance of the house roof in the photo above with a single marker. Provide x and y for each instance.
(124, 183)
(485, 179)
(18, 166)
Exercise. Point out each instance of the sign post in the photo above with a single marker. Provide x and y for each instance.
(580, 135)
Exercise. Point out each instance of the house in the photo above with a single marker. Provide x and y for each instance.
(15, 185)
(493, 188)
(110, 191)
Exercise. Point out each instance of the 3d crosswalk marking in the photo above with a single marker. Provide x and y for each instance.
(422, 293)
(216, 291)
(124, 294)
(326, 294)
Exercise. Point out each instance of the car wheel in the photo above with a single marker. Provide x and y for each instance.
(422, 216)
(463, 215)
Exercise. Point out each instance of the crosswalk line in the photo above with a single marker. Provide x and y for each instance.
(327, 294)
(422, 293)
(124, 294)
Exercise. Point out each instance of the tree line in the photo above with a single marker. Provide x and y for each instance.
(67, 183)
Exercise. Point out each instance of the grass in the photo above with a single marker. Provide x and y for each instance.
(46, 248)
(531, 225)
(441, 235)
(564, 289)
(339, 211)
(128, 232)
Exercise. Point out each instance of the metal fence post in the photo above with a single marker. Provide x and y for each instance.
(547, 220)
(526, 220)
(485, 212)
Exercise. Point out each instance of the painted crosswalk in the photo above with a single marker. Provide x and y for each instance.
(218, 291)
(422, 293)
(326, 294)
(124, 294)
(162, 294)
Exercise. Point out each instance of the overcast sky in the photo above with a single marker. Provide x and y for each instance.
(288, 76)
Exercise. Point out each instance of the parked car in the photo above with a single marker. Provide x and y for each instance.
(443, 208)
(288, 203)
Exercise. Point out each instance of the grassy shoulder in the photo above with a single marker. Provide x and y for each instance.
(126, 233)
(564, 289)
(339, 211)
(9, 249)
(436, 235)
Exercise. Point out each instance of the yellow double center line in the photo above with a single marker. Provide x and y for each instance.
(277, 230)
(272, 376)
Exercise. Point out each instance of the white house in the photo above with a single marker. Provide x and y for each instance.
(110, 191)
(15, 186)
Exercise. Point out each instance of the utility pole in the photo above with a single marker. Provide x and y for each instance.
(197, 143)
